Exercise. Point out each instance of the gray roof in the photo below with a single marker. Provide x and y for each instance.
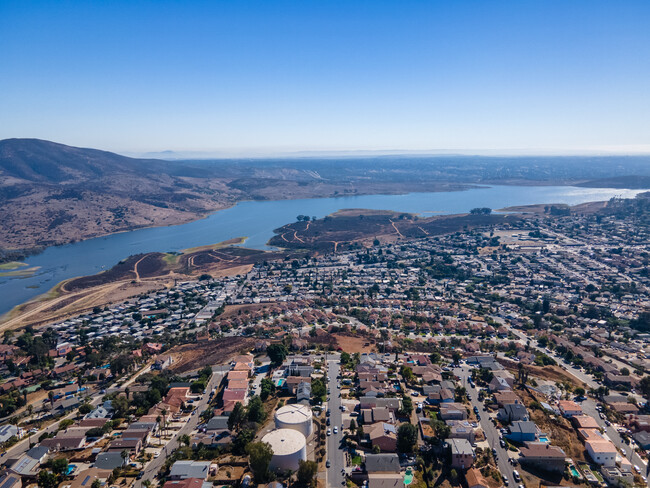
(109, 460)
(25, 466)
(190, 469)
(38, 452)
(382, 463)
(7, 431)
(218, 423)
(460, 446)
(9, 480)
(523, 427)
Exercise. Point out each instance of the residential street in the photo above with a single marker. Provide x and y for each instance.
(335, 476)
(491, 433)
(155, 464)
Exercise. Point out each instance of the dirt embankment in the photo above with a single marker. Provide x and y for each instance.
(189, 357)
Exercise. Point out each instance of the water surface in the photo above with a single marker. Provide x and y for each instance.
(257, 220)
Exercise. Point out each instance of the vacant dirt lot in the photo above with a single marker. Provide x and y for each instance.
(189, 357)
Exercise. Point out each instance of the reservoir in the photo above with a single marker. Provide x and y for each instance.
(256, 220)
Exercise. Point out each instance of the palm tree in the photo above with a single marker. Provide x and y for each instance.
(125, 455)
(164, 417)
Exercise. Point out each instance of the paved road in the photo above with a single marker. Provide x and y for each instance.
(23, 446)
(589, 407)
(155, 464)
(335, 473)
(491, 432)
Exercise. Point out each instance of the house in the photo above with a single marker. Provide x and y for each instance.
(584, 422)
(506, 397)
(462, 454)
(26, 466)
(569, 409)
(133, 446)
(500, 383)
(109, 460)
(10, 480)
(461, 429)
(187, 483)
(383, 435)
(475, 479)
(382, 463)
(617, 477)
(86, 477)
(601, 452)
(385, 480)
(542, 455)
(523, 431)
(642, 438)
(392, 404)
(162, 362)
(453, 411)
(217, 424)
(64, 443)
(512, 412)
(303, 392)
(9, 431)
(182, 470)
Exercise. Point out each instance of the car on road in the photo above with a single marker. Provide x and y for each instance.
(336, 430)
(637, 469)
(494, 452)
(516, 476)
(502, 443)
(140, 475)
(328, 422)
(505, 480)
(329, 431)
(328, 412)
(327, 463)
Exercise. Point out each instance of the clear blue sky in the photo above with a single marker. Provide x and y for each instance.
(265, 76)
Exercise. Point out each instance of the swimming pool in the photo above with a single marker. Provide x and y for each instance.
(71, 468)
(543, 438)
(408, 477)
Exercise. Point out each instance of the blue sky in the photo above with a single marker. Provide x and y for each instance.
(263, 77)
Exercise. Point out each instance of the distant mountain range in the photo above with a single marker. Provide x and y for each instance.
(52, 193)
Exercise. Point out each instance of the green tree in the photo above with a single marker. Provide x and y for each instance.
(59, 466)
(47, 479)
(306, 474)
(407, 406)
(241, 441)
(259, 455)
(85, 408)
(267, 388)
(318, 390)
(237, 417)
(277, 353)
(256, 412)
(407, 436)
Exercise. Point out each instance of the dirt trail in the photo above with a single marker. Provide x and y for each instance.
(396, 229)
(295, 236)
(135, 268)
(425, 232)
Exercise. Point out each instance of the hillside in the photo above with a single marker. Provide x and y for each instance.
(52, 194)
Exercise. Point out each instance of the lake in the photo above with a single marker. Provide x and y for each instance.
(257, 220)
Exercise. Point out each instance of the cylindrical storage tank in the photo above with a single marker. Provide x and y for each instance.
(289, 446)
(296, 416)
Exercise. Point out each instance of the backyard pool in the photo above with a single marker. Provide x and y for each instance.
(408, 477)
(543, 438)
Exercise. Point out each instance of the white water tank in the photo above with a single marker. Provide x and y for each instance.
(296, 416)
(289, 447)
